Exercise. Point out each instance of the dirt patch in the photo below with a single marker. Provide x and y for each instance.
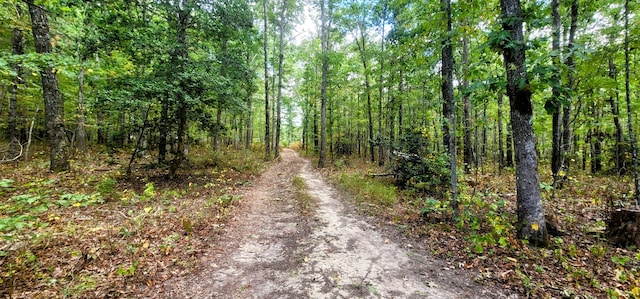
(272, 250)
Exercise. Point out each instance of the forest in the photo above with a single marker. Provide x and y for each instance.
(506, 129)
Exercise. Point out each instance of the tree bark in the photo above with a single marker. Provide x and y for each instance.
(501, 163)
(448, 107)
(81, 133)
(267, 118)
(531, 224)
(468, 148)
(381, 146)
(566, 111)
(627, 89)
(179, 58)
(280, 65)
(17, 49)
(54, 108)
(613, 101)
(556, 94)
(323, 88)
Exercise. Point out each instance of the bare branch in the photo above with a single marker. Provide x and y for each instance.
(9, 151)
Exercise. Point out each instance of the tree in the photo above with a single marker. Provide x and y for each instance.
(17, 49)
(466, 99)
(555, 103)
(627, 89)
(267, 136)
(324, 40)
(531, 224)
(448, 106)
(54, 112)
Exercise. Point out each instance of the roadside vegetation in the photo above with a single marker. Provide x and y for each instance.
(92, 233)
(579, 263)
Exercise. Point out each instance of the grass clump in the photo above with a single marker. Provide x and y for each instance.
(301, 193)
(368, 190)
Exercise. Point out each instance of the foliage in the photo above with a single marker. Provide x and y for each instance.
(421, 168)
(367, 190)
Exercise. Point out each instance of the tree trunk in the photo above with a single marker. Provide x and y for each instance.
(17, 49)
(596, 143)
(217, 139)
(267, 118)
(381, 145)
(448, 108)
(323, 88)
(280, 63)
(501, 163)
(367, 86)
(566, 112)
(54, 108)
(179, 57)
(164, 131)
(509, 146)
(613, 101)
(627, 89)
(531, 224)
(81, 133)
(466, 98)
(556, 94)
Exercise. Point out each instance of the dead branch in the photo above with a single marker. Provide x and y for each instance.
(380, 174)
(9, 151)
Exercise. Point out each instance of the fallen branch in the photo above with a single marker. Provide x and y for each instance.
(380, 174)
(9, 160)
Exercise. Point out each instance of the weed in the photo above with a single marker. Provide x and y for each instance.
(79, 200)
(128, 271)
(106, 188)
(620, 260)
(301, 193)
(373, 191)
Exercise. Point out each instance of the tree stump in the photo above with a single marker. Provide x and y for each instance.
(623, 227)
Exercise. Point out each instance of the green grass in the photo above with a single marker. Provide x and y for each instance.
(301, 193)
(368, 190)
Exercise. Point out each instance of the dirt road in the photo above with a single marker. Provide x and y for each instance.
(273, 250)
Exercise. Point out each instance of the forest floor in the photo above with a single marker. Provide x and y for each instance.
(224, 228)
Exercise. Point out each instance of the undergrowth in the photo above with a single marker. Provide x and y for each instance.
(580, 264)
(92, 233)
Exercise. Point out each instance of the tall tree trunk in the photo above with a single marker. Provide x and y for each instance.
(613, 101)
(501, 163)
(81, 133)
(180, 56)
(556, 94)
(217, 139)
(627, 89)
(381, 145)
(248, 125)
(280, 63)
(367, 86)
(483, 150)
(17, 49)
(566, 111)
(508, 161)
(596, 142)
(323, 88)
(248, 122)
(400, 106)
(466, 98)
(164, 131)
(448, 107)
(531, 224)
(267, 118)
(53, 104)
